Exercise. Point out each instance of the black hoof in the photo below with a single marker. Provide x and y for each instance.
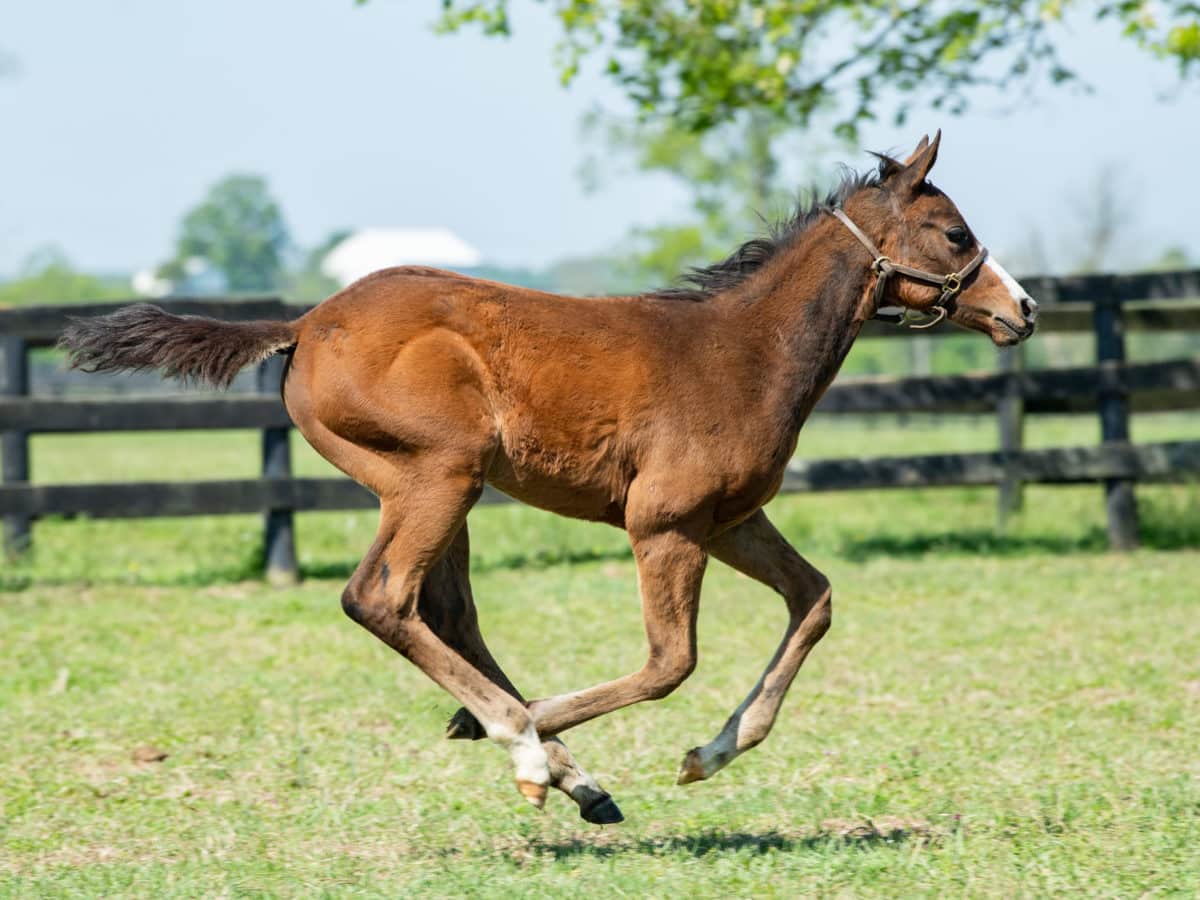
(464, 727)
(601, 811)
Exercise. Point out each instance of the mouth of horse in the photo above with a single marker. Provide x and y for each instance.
(1018, 334)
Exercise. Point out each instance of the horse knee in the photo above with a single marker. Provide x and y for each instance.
(810, 601)
(820, 614)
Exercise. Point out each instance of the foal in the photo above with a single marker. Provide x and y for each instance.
(671, 415)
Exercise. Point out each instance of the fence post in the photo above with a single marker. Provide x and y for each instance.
(1120, 500)
(279, 535)
(1010, 419)
(14, 445)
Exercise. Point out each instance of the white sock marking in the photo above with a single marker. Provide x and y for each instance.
(528, 755)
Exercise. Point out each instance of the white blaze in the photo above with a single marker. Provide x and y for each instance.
(1014, 288)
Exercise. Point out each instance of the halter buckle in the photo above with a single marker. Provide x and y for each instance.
(952, 284)
(880, 264)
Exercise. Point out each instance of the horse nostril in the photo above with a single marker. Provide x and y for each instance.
(1029, 308)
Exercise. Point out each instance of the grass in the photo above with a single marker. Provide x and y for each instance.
(992, 714)
(209, 550)
(985, 726)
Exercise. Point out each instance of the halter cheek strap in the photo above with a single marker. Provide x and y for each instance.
(884, 268)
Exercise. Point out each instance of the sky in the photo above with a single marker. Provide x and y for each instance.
(121, 115)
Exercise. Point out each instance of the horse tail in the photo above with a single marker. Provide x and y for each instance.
(192, 348)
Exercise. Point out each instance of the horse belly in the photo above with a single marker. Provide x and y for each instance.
(558, 484)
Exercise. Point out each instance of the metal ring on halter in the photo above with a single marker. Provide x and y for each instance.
(938, 315)
(883, 267)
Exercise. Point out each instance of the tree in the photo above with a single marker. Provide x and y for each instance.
(701, 62)
(1101, 231)
(47, 276)
(1104, 213)
(737, 175)
(239, 230)
(306, 282)
(750, 73)
(1173, 259)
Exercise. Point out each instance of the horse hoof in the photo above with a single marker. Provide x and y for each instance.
(691, 769)
(533, 792)
(464, 727)
(602, 811)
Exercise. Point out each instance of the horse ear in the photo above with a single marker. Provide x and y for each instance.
(917, 166)
(921, 145)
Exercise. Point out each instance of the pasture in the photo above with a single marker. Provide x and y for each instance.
(991, 714)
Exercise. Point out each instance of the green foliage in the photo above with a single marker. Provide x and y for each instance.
(239, 230)
(1000, 726)
(48, 277)
(1173, 259)
(306, 283)
(701, 62)
(736, 176)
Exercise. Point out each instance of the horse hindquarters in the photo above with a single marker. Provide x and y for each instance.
(412, 590)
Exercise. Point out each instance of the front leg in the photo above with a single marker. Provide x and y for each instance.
(670, 569)
(756, 549)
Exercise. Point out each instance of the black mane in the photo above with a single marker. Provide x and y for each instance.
(701, 283)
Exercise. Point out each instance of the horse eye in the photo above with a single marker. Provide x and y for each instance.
(957, 236)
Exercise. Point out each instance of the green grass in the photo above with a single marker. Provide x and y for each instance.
(992, 714)
(983, 726)
(206, 550)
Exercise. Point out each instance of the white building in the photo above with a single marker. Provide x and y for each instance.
(371, 249)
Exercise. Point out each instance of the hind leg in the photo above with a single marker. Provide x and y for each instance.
(448, 607)
(414, 428)
(383, 596)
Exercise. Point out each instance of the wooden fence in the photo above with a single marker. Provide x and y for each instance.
(1106, 305)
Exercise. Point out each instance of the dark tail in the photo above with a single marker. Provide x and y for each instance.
(193, 348)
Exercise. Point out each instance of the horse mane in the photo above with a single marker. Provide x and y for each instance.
(704, 282)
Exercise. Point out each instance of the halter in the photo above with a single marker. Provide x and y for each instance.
(883, 268)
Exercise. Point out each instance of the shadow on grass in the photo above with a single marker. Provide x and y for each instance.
(847, 834)
(541, 559)
(1166, 523)
(974, 542)
(249, 568)
(246, 570)
(1162, 526)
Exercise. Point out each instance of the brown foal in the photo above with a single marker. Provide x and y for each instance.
(671, 415)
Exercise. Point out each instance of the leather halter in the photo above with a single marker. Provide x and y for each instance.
(884, 268)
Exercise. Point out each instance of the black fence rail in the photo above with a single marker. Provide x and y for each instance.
(1109, 306)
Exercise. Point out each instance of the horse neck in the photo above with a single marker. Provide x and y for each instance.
(805, 310)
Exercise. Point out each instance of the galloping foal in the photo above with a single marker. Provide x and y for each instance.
(670, 414)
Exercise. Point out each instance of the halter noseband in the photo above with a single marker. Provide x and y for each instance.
(883, 268)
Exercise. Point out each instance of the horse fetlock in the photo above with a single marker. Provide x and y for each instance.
(692, 768)
(701, 763)
(528, 755)
(532, 771)
(464, 727)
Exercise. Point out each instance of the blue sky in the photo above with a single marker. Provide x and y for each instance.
(122, 115)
